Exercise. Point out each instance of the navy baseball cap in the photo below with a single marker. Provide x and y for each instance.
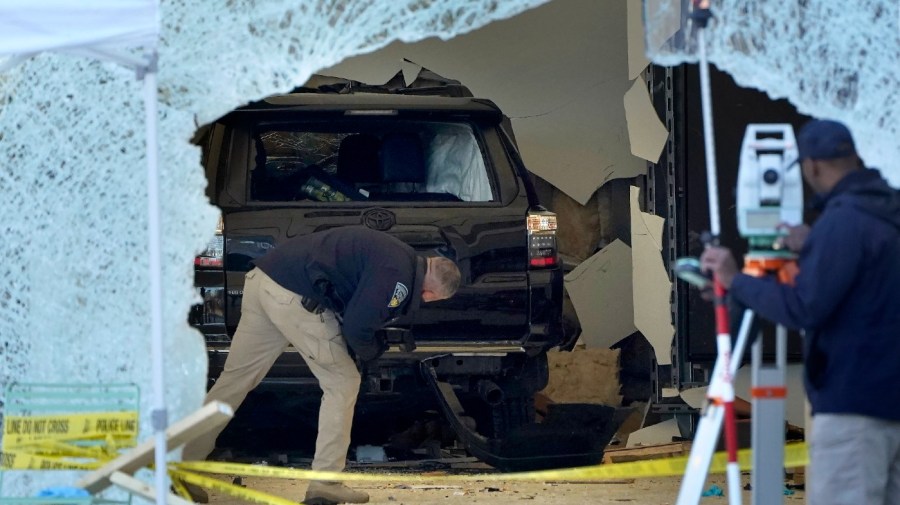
(823, 139)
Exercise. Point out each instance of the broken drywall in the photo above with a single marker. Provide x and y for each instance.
(660, 433)
(652, 286)
(646, 133)
(622, 289)
(601, 291)
(637, 52)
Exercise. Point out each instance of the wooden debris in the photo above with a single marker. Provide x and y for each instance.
(624, 455)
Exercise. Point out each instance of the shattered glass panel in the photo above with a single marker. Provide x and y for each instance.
(74, 281)
(831, 58)
(303, 148)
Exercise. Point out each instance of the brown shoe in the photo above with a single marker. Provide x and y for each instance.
(332, 493)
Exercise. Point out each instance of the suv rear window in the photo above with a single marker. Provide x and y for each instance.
(415, 161)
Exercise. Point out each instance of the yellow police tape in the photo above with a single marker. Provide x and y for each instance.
(20, 430)
(794, 455)
(230, 489)
(87, 441)
(31, 461)
(83, 441)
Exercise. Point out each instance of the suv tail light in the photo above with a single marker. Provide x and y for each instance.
(542, 252)
(214, 255)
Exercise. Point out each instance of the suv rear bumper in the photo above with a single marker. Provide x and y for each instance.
(481, 360)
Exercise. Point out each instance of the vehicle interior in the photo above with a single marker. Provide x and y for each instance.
(413, 161)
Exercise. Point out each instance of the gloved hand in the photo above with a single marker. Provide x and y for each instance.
(364, 358)
(370, 353)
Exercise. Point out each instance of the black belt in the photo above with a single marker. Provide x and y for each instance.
(311, 305)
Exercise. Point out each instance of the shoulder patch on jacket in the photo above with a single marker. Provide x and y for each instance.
(400, 293)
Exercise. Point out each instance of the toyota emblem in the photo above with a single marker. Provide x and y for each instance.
(379, 219)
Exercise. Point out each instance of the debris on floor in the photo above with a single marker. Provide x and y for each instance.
(714, 491)
(370, 454)
(623, 455)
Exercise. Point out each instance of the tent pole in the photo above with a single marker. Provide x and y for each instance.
(159, 415)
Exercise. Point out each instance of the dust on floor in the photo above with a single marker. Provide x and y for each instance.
(650, 491)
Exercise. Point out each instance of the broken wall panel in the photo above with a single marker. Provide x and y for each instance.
(637, 51)
(660, 433)
(621, 289)
(601, 290)
(652, 287)
(646, 133)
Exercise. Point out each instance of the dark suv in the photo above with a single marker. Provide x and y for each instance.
(431, 165)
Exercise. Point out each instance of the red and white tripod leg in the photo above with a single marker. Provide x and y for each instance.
(732, 469)
(726, 394)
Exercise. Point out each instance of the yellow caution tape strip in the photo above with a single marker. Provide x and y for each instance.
(794, 455)
(31, 461)
(20, 430)
(59, 456)
(85, 448)
(230, 489)
(178, 485)
(82, 441)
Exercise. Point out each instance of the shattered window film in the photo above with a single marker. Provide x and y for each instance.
(831, 58)
(74, 286)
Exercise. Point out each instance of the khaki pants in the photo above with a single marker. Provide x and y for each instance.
(271, 317)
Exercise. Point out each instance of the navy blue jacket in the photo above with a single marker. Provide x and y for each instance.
(846, 298)
(367, 276)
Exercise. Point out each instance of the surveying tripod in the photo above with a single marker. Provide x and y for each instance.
(768, 394)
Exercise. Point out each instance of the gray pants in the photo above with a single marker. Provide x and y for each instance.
(853, 460)
(271, 317)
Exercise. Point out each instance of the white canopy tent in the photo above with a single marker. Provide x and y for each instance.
(125, 32)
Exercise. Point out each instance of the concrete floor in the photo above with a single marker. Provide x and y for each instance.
(651, 491)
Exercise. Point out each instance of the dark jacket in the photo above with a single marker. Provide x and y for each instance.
(367, 276)
(847, 298)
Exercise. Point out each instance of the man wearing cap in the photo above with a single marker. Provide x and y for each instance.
(322, 292)
(846, 298)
